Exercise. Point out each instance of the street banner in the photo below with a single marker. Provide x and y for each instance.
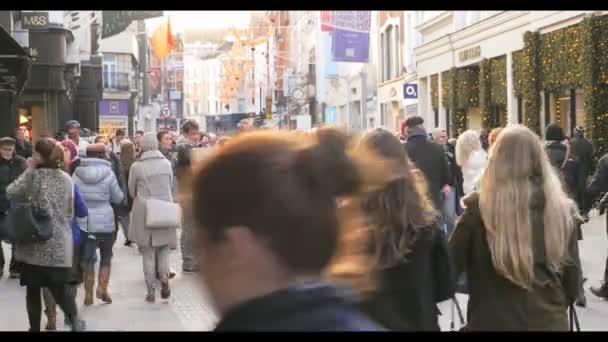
(114, 22)
(326, 25)
(154, 80)
(350, 36)
(331, 67)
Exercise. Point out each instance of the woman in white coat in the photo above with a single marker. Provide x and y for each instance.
(151, 177)
(471, 158)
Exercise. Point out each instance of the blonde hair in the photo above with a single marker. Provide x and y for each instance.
(519, 176)
(494, 135)
(467, 143)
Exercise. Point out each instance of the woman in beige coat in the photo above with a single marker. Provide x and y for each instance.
(151, 177)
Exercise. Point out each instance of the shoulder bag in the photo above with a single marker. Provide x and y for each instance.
(28, 223)
(161, 214)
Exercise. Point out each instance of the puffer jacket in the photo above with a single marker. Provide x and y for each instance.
(99, 189)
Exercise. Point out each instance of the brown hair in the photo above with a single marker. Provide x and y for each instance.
(51, 154)
(289, 194)
(494, 135)
(127, 154)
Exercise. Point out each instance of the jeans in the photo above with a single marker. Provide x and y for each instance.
(105, 243)
(65, 301)
(125, 221)
(155, 258)
(449, 211)
(188, 259)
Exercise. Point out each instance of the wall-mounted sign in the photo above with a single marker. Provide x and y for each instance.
(114, 107)
(471, 53)
(410, 91)
(34, 20)
(175, 95)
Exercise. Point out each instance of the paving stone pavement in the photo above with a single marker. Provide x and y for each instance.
(188, 308)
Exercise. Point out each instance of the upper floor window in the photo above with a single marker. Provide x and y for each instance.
(391, 54)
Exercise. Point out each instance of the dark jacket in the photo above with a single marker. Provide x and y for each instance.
(408, 293)
(431, 160)
(599, 181)
(312, 307)
(184, 157)
(24, 150)
(582, 151)
(495, 303)
(9, 171)
(566, 168)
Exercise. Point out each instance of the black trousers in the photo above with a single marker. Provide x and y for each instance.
(34, 304)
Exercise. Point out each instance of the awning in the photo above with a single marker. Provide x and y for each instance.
(14, 63)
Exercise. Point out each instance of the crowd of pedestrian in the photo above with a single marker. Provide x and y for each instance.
(309, 231)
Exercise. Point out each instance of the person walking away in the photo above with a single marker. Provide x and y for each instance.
(167, 148)
(72, 128)
(127, 158)
(450, 201)
(471, 158)
(567, 169)
(47, 264)
(118, 138)
(408, 250)
(75, 278)
(522, 276)
(189, 140)
(597, 186)
(261, 275)
(100, 189)
(151, 178)
(582, 151)
(23, 147)
(428, 157)
(11, 167)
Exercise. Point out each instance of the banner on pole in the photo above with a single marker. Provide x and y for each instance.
(350, 36)
(326, 25)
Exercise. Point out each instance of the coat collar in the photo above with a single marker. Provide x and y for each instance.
(154, 154)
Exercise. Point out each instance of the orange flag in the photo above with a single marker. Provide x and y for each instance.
(162, 40)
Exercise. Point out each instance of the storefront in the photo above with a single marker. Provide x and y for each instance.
(113, 115)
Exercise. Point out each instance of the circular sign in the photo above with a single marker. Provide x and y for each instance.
(165, 111)
(410, 90)
(297, 94)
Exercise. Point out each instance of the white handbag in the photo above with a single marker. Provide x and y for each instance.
(161, 214)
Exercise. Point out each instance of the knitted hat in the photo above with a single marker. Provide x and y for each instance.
(99, 148)
(149, 142)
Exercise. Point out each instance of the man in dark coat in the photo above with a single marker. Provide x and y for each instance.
(582, 151)
(11, 166)
(429, 157)
(23, 147)
(599, 184)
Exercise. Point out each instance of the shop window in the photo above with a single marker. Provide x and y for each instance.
(436, 118)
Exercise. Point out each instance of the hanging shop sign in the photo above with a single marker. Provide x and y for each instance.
(350, 36)
(326, 21)
(471, 53)
(114, 107)
(34, 20)
(410, 91)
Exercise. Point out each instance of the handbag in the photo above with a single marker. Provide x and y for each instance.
(28, 223)
(161, 214)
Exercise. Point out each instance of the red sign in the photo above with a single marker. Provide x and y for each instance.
(326, 17)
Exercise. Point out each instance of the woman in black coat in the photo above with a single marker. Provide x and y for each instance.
(406, 249)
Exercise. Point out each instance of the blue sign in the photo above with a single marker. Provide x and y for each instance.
(350, 37)
(410, 91)
(330, 115)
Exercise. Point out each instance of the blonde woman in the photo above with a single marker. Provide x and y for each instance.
(516, 241)
(471, 158)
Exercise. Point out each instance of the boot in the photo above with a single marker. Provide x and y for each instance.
(102, 287)
(165, 291)
(601, 291)
(89, 283)
(150, 296)
(76, 324)
(51, 318)
(581, 300)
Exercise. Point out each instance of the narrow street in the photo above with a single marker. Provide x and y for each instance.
(189, 309)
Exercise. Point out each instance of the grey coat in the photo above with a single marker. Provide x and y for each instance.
(52, 190)
(157, 169)
(99, 188)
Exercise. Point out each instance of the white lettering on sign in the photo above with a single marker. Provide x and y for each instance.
(469, 53)
(35, 20)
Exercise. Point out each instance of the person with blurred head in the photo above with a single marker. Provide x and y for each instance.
(517, 242)
(72, 160)
(139, 135)
(429, 158)
(75, 279)
(407, 247)
(494, 135)
(186, 143)
(472, 159)
(265, 272)
(11, 167)
(245, 125)
(100, 189)
(118, 137)
(581, 150)
(151, 178)
(127, 158)
(23, 147)
(47, 264)
(72, 129)
(222, 141)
